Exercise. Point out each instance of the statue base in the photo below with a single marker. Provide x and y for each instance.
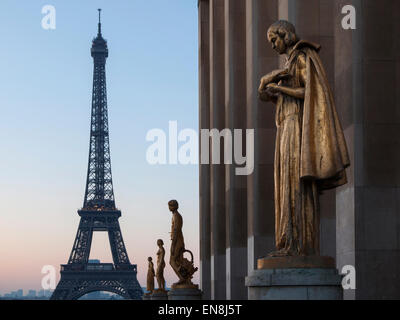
(185, 285)
(295, 278)
(185, 294)
(146, 296)
(159, 295)
(288, 262)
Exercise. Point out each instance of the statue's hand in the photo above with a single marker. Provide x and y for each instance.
(273, 88)
(268, 95)
(272, 77)
(263, 84)
(265, 96)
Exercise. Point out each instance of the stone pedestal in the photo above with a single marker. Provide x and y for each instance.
(159, 295)
(146, 297)
(295, 278)
(185, 294)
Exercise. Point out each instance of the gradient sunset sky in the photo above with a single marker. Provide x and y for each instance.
(45, 101)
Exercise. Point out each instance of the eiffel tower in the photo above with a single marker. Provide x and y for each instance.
(99, 213)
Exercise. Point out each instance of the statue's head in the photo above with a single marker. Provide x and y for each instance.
(282, 35)
(160, 242)
(149, 259)
(173, 205)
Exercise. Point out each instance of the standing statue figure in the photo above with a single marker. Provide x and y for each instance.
(183, 268)
(160, 266)
(150, 277)
(311, 153)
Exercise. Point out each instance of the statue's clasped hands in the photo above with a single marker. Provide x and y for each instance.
(272, 88)
(269, 83)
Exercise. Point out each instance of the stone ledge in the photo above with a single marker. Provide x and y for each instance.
(185, 294)
(159, 295)
(295, 284)
(302, 262)
(294, 277)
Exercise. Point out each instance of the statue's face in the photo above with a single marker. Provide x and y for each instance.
(277, 42)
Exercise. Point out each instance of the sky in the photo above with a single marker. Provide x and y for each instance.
(45, 100)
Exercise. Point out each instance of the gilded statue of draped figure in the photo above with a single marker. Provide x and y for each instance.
(310, 153)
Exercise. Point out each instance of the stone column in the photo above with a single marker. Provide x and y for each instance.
(367, 76)
(235, 118)
(204, 123)
(217, 176)
(261, 59)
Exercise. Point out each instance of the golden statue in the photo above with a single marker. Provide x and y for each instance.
(311, 153)
(160, 266)
(150, 277)
(183, 268)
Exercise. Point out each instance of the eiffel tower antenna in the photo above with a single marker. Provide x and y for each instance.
(99, 213)
(99, 26)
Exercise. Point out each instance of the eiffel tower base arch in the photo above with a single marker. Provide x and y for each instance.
(75, 284)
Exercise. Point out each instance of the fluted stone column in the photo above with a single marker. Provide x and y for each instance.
(367, 77)
(204, 174)
(235, 118)
(348, 101)
(217, 121)
(261, 59)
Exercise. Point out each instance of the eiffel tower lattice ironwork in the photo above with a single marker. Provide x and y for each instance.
(99, 213)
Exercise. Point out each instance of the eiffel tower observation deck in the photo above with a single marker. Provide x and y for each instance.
(99, 212)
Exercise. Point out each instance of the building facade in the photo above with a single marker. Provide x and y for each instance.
(360, 222)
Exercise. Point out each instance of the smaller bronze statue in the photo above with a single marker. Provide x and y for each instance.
(150, 277)
(160, 266)
(183, 268)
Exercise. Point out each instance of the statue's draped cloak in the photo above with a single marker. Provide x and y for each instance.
(311, 153)
(324, 155)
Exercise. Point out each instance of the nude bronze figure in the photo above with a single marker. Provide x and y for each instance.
(183, 268)
(160, 266)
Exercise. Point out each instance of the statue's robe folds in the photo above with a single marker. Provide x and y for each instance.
(311, 153)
